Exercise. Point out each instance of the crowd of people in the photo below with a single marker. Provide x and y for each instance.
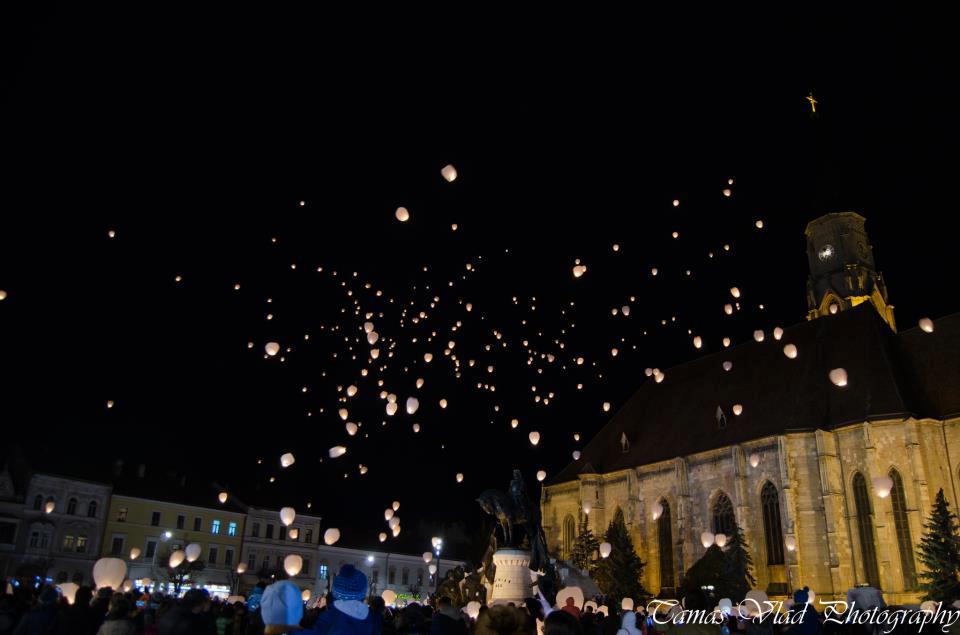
(349, 610)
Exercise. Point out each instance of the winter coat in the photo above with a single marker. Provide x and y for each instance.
(118, 627)
(40, 621)
(347, 618)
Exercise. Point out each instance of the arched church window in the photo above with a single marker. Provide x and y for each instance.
(569, 535)
(899, 503)
(92, 509)
(72, 506)
(724, 522)
(665, 544)
(772, 528)
(868, 551)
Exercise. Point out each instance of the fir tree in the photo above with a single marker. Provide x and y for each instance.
(940, 553)
(737, 576)
(584, 547)
(618, 575)
(707, 572)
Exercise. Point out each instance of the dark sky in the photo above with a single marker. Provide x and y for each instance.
(195, 136)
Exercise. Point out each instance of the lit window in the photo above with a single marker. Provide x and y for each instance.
(81, 544)
(232, 529)
(215, 527)
(323, 572)
(122, 515)
(68, 542)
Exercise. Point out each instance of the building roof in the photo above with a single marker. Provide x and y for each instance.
(890, 375)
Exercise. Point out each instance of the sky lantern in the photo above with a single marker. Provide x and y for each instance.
(420, 382)
(391, 408)
(287, 460)
(222, 497)
(352, 428)
(758, 335)
(68, 590)
(605, 549)
(242, 568)
(109, 572)
(587, 506)
(351, 390)
(337, 451)
(272, 348)
(726, 342)
(839, 377)
(287, 516)
(331, 536)
(728, 366)
(396, 531)
(3, 295)
(541, 475)
(676, 202)
(382, 537)
(396, 506)
(432, 568)
(882, 485)
(294, 533)
(402, 214)
(292, 564)
(367, 327)
(735, 292)
(658, 376)
(653, 271)
(449, 173)
(648, 372)
(576, 455)
(754, 459)
(625, 309)
(427, 557)
(777, 333)
(459, 477)
(393, 522)
(720, 540)
(372, 337)
(514, 423)
(192, 552)
(443, 403)
(656, 510)
(388, 514)
(49, 506)
(305, 595)
(707, 539)
(534, 437)
(697, 342)
(727, 192)
(412, 404)
(134, 553)
(790, 543)
(737, 409)
(926, 325)
(176, 558)
(728, 309)
(606, 406)
(428, 357)
(344, 413)
(416, 428)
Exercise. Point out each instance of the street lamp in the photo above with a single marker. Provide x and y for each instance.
(437, 548)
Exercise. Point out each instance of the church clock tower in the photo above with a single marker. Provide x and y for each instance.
(842, 271)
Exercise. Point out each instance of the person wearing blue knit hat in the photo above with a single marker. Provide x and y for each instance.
(349, 615)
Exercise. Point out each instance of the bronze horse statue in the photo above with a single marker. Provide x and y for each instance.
(512, 509)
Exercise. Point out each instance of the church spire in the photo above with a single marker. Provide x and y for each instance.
(842, 271)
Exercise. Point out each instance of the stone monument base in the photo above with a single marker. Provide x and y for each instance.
(511, 583)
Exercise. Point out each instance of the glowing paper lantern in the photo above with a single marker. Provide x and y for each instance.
(706, 539)
(459, 477)
(435, 541)
(727, 192)
(351, 390)
(420, 382)
(728, 309)
(372, 337)
(396, 506)
(428, 357)
(382, 537)
(287, 515)
(587, 507)
(790, 543)
(387, 514)
(109, 572)
(697, 342)
(882, 485)
(579, 270)
(344, 413)
(720, 540)
(402, 214)
(294, 533)
(389, 595)
(272, 348)
(147, 582)
(534, 437)
(412, 404)
(726, 342)
(450, 174)
(728, 366)
(127, 586)
(443, 403)
(396, 531)
(134, 553)
(627, 604)
(242, 568)
(331, 536)
(926, 325)
(839, 377)
(427, 556)
(473, 609)
(541, 475)
(393, 522)
(49, 506)
(605, 548)
(574, 592)
(656, 510)
(305, 595)
(576, 455)
(514, 423)
(754, 459)
(351, 428)
(287, 460)
(777, 333)
(391, 408)
(192, 552)
(606, 406)
(737, 409)
(68, 590)
(3, 295)
(625, 309)
(735, 292)
(176, 558)
(416, 427)
(758, 335)
(790, 350)
(432, 568)
(337, 451)
(367, 327)
(292, 564)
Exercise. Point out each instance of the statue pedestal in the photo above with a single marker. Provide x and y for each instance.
(511, 583)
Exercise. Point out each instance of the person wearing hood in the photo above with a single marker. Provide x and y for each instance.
(118, 620)
(447, 620)
(628, 625)
(348, 615)
(42, 619)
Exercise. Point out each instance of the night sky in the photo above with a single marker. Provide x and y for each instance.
(195, 137)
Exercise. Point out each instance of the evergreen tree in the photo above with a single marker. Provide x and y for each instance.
(707, 572)
(584, 547)
(737, 576)
(940, 553)
(618, 575)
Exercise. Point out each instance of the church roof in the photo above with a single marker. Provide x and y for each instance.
(890, 375)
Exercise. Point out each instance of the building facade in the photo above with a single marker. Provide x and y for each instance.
(267, 542)
(830, 477)
(158, 528)
(61, 528)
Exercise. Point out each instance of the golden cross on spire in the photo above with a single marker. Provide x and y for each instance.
(813, 103)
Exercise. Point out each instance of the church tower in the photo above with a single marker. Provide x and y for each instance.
(842, 271)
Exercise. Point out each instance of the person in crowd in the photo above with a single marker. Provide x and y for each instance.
(562, 622)
(8, 615)
(802, 616)
(348, 615)
(697, 601)
(118, 621)
(569, 606)
(628, 624)
(447, 620)
(225, 618)
(588, 620)
(502, 620)
(78, 618)
(42, 619)
(186, 617)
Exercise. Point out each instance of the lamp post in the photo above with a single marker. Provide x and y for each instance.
(436, 578)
